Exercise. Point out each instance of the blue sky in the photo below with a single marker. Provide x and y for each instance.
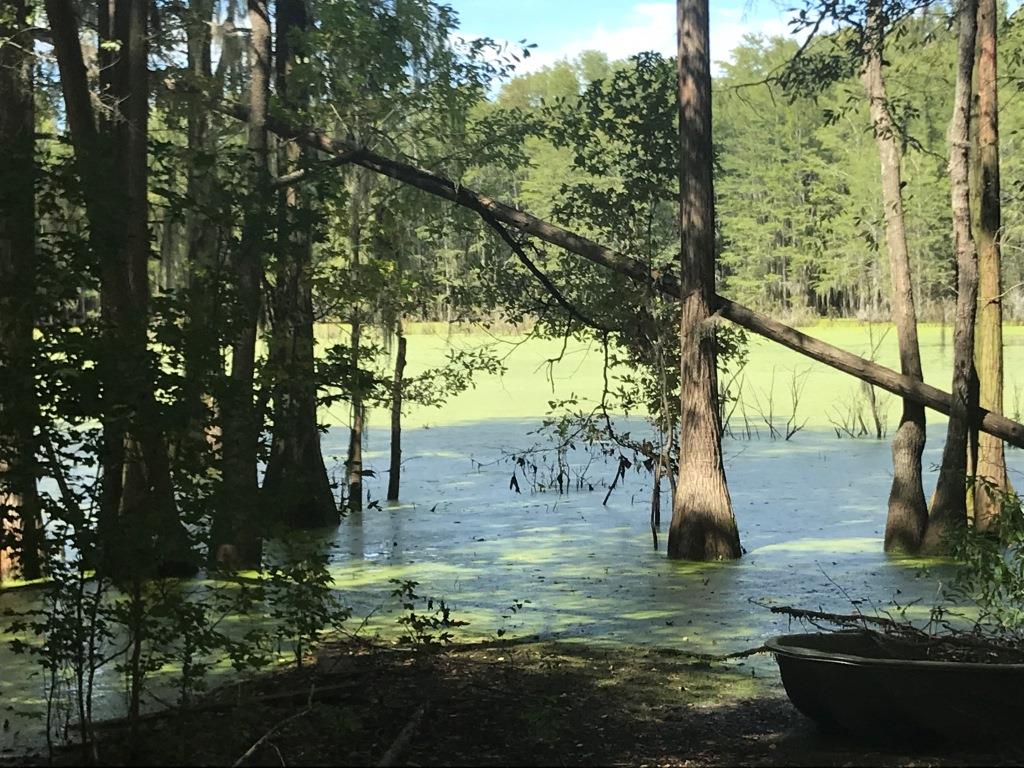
(562, 28)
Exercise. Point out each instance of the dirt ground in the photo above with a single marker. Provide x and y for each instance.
(522, 703)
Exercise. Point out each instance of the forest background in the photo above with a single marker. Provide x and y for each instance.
(195, 275)
(244, 241)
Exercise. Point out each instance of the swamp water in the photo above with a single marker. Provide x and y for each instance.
(811, 514)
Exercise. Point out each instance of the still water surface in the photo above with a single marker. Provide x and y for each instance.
(811, 514)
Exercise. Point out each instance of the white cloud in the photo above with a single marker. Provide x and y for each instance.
(729, 26)
(652, 27)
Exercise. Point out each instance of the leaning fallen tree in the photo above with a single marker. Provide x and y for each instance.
(906, 387)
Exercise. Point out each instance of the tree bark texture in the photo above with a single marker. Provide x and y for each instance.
(354, 462)
(908, 508)
(137, 493)
(239, 511)
(147, 506)
(866, 370)
(949, 506)
(703, 526)
(202, 234)
(397, 387)
(20, 515)
(988, 354)
(296, 483)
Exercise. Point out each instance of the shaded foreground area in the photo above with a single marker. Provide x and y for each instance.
(518, 703)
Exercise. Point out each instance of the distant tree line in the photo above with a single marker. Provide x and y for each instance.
(801, 227)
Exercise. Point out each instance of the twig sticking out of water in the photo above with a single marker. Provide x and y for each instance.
(903, 640)
(857, 620)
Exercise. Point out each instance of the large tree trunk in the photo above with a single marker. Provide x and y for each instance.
(397, 387)
(140, 533)
(354, 462)
(908, 509)
(703, 526)
(988, 353)
(949, 506)
(96, 171)
(755, 322)
(236, 532)
(21, 542)
(296, 482)
(202, 357)
(147, 502)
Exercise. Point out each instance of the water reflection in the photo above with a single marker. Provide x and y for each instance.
(811, 515)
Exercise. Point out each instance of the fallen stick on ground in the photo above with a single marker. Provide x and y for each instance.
(325, 693)
(262, 739)
(404, 737)
(725, 656)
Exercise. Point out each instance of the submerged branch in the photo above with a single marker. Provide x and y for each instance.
(901, 639)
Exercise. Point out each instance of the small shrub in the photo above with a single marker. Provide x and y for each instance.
(991, 572)
(302, 603)
(430, 629)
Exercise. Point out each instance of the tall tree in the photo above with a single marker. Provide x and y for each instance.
(988, 353)
(949, 505)
(636, 270)
(201, 232)
(235, 538)
(19, 412)
(354, 460)
(147, 499)
(139, 527)
(395, 466)
(296, 482)
(703, 526)
(908, 509)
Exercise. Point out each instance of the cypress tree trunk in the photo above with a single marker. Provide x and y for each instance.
(140, 533)
(354, 463)
(656, 494)
(634, 269)
(949, 506)
(21, 545)
(95, 167)
(236, 531)
(147, 504)
(703, 526)
(908, 509)
(395, 472)
(988, 353)
(296, 482)
(202, 358)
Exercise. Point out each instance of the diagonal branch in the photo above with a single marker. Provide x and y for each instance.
(289, 179)
(832, 356)
(543, 279)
